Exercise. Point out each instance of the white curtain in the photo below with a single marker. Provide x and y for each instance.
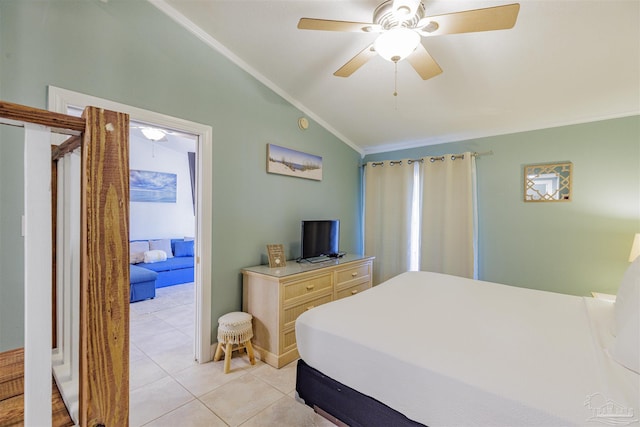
(447, 242)
(433, 201)
(388, 204)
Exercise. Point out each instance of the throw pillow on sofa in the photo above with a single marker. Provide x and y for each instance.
(162, 245)
(137, 250)
(155, 256)
(184, 248)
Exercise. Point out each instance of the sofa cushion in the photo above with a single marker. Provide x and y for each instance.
(175, 263)
(138, 274)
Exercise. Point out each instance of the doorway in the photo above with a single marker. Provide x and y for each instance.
(62, 100)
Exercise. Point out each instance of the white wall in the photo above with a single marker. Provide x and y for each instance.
(161, 220)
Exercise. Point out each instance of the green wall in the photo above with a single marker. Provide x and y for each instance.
(130, 52)
(573, 247)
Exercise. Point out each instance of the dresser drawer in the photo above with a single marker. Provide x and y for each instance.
(288, 340)
(308, 286)
(292, 313)
(352, 290)
(357, 272)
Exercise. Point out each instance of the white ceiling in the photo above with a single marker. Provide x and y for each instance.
(564, 62)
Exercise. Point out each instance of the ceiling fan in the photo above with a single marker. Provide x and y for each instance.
(402, 23)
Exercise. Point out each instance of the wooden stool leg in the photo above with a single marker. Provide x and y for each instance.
(227, 358)
(249, 347)
(218, 352)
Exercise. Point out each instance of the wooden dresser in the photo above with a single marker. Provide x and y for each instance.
(277, 296)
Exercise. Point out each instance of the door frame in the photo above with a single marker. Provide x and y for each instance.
(60, 99)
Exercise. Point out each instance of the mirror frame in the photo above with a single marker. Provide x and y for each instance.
(564, 174)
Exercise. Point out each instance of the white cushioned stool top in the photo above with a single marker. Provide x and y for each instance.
(235, 318)
(235, 327)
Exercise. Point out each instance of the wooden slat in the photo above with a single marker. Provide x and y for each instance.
(58, 151)
(104, 273)
(59, 123)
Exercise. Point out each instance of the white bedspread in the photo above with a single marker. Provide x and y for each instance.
(448, 351)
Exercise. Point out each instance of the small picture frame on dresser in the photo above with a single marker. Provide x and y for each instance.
(276, 256)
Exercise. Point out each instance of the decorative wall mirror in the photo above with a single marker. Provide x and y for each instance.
(547, 182)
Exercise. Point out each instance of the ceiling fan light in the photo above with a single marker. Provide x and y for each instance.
(396, 44)
(153, 134)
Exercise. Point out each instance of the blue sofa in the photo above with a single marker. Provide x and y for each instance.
(142, 283)
(173, 271)
(176, 270)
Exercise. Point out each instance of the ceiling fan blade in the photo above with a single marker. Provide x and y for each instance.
(356, 62)
(469, 21)
(423, 63)
(329, 25)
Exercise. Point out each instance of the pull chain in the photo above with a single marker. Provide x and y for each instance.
(395, 79)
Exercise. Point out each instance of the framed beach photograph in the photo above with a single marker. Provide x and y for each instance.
(155, 187)
(285, 161)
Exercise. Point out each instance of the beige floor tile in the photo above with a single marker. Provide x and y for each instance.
(175, 359)
(284, 379)
(146, 326)
(162, 341)
(240, 361)
(178, 317)
(193, 414)
(184, 298)
(153, 305)
(144, 371)
(135, 352)
(287, 412)
(203, 378)
(153, 400)
(240, 399)
(189, 331)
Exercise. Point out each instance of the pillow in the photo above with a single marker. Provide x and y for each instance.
(136, 257)
(137, 250)
(626, 347)
(184, 248)
(154, 256)
(628, 296)
(162, 245)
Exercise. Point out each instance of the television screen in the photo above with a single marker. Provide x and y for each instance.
(320, 238)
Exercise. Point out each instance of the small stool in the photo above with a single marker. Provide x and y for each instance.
(234, 329)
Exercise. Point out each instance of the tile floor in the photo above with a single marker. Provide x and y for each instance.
(168, 388)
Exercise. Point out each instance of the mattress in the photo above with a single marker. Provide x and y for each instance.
(445, 350)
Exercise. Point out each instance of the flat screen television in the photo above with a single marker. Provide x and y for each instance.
(320, 238)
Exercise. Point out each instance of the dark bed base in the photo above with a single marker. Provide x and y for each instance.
(347, 405)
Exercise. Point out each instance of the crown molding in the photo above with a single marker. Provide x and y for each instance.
(220, 48)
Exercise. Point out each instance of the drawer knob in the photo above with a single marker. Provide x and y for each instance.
(353, 292)
(354, 274)
(310, 307)
(309, 287)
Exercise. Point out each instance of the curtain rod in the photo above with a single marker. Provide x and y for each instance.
(485, 153)
(432, 158)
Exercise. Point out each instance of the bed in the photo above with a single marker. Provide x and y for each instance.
(439, 350)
